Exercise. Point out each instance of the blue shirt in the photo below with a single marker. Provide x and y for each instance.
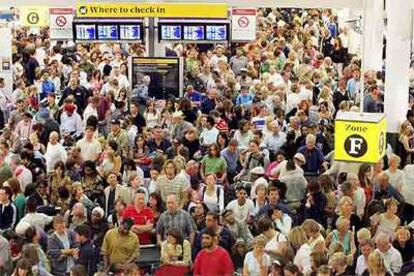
(195, 96)
(314, 159)
(244, 99)
(231, 159)
(47, 87)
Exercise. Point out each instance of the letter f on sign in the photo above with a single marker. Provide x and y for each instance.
(356, 144)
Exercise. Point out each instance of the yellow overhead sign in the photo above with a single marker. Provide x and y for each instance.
(169, 10)
(35, 16)
(360, 138)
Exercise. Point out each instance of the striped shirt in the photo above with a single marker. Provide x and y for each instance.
(178, 220)
(176, 186)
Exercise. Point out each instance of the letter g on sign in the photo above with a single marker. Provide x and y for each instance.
(356, 145)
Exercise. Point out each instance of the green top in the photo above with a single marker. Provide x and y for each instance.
(5, 173)
(20, 202)
(214, 164)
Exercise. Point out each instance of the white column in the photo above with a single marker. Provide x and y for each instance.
(397, 62)
(373, 20)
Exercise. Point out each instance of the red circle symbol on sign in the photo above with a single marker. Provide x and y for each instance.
(243, 22)
(61, 21)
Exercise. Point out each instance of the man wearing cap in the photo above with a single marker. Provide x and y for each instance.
(120, 247)
(70, 121)
(143, 218)
(119, 135)
(280, 170)
(25, 127)
(180, 126)
(218, 56)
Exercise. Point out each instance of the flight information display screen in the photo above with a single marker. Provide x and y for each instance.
(108, 32)
(130, 32)
(170, 32)
(216, 32)
(85, 32)
(193, 32)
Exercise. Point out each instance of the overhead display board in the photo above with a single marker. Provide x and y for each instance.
(360, 137)
(165, 76)
(161, 10)
(108, 30)
(198, 32)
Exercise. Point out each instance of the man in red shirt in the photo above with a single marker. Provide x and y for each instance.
(143, 218)
(213, 260)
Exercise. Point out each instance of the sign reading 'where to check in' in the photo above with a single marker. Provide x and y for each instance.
(360, 137)
(161, 10)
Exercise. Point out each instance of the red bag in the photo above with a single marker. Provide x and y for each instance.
(169, 270)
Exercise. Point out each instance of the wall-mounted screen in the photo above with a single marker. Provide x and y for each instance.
(85, 32)
(130, 32)
(193, 32)
(216, 32)
(170, 32)
(108, 32)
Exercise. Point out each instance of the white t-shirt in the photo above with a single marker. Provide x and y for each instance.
(89, 150)
(252, 264)
(274, 243)
(305, 94)
(302, 259)
(241, 213)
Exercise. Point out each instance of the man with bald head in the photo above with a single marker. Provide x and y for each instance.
(392, 256)
(177, 218)
(384, 190)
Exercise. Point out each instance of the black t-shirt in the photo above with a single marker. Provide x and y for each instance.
(140, 122)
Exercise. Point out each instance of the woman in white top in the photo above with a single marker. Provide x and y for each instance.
(257, 262)
(212, 194)
(299, 242)
(396, 176)
(151, 115)
(54, 151)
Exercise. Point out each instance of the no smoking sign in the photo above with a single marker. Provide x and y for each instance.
(243, 22)
(61, 21)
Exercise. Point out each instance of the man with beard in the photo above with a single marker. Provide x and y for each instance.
(213, 259)
(225, 238)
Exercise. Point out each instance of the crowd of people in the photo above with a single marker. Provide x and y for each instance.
(236, 177)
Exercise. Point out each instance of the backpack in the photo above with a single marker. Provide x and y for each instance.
(217, 195)
(261, 160)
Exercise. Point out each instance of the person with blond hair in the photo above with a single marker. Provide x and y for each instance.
(300, 243)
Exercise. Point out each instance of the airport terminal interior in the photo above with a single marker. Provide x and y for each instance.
(207, 138)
